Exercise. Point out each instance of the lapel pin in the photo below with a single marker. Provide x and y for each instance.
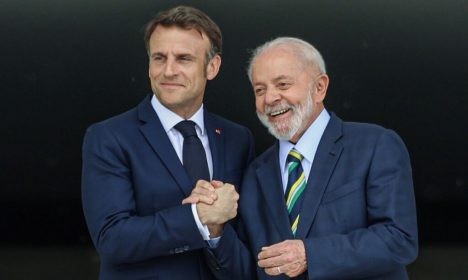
(218, 131)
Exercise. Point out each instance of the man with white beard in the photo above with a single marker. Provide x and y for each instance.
(330, 199)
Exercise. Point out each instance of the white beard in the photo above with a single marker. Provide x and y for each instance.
(287, 128)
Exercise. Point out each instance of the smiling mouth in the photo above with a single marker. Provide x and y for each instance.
(171, 86)
(279, 113)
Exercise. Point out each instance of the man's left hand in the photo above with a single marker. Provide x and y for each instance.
(287, 257)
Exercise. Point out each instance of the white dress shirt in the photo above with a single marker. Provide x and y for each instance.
(168, 120)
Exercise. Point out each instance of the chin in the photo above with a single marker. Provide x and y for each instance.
(282, 133)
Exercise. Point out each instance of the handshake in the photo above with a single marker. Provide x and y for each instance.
(216, 204)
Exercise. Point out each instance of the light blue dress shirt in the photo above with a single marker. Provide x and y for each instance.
(306, 146)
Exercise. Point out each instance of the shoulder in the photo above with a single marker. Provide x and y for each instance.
(366, 130)
(121, 123)
(367, 136)
(362, 129)
(354, 130)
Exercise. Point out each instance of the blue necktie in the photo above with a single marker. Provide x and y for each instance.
(193, 153)
(295, 188)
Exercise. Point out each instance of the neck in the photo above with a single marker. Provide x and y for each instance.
(318, 109)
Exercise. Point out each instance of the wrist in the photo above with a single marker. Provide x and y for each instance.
(215, 230)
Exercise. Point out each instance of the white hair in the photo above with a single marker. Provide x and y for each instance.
(305, 52)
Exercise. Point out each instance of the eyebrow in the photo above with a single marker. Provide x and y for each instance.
(282, 77)
(185, 55)
(157, 54)
(178, 55)
(276, 80)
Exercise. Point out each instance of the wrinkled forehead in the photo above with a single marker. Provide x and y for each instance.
(276, 62)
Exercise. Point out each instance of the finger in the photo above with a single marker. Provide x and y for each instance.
(271, 262)
(202, 184)
(268, 252)
(236, 196)
(229, 190)
(230, 187)
(190, 200)
(274, 271)
(206, 199)
(217, 184)
(204, 188)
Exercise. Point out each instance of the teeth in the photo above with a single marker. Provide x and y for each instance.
(274, 114)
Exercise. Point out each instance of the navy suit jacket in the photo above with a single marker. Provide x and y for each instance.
(358, 217)
(133, 184)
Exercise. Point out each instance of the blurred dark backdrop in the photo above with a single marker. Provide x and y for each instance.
(67, 64)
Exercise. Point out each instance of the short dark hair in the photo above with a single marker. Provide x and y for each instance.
(188, 18)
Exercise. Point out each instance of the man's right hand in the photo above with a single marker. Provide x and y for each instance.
(223, 208)
(212, 214)
(203, 192)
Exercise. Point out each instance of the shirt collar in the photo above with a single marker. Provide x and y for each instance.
(308, 143)
(169, 119)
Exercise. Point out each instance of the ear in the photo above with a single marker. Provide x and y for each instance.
(321, 85)
(213, 66)
(149, 68)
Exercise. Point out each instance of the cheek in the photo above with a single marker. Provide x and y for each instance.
(153, 71)
(259, 104)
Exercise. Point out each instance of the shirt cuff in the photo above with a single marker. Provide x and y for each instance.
(213, 243)
(203, 229)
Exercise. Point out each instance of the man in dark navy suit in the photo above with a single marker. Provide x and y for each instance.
(137, 169)
(330, 199)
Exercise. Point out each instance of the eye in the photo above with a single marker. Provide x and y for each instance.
(283, 85)
(158, 58)
(259, 91)
(184, 58)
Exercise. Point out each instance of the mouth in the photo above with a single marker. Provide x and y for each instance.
(279, 112)
(171, 85)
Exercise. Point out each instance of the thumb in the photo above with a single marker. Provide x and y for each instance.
(217, 183)
(190, 200)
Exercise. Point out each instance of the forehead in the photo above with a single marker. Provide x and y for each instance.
(275, 63)
(178, 40)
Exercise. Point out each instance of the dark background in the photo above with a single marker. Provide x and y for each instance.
(67, 64)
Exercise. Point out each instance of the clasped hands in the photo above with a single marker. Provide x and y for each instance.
(216, 204)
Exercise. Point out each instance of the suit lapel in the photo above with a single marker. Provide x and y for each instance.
(326, 157)
(269, 178)
(156, 136)
(216, 140)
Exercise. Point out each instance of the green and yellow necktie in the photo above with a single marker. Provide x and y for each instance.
(296, 186)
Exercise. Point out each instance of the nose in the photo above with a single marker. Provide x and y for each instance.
(170, 69)
(272, 96)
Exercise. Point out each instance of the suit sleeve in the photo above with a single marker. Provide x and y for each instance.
(233, 258)
(390, 240)
(119, 233)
